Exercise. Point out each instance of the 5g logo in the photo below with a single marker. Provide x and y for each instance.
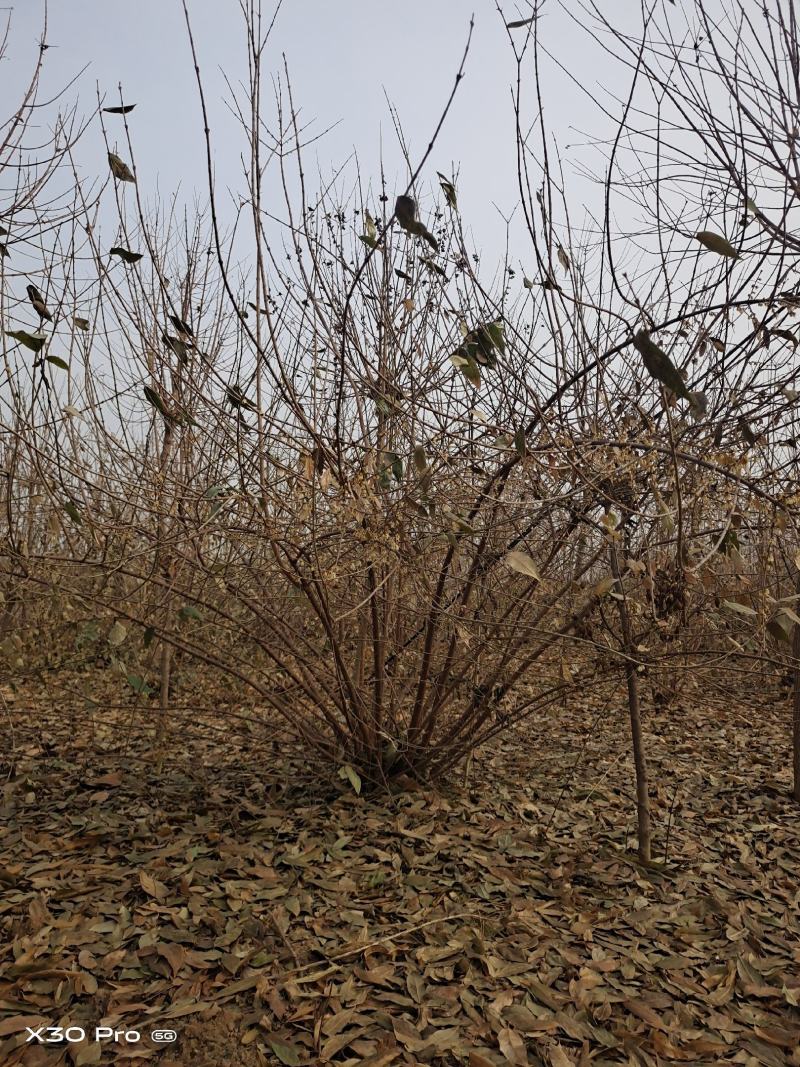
(163, 1037)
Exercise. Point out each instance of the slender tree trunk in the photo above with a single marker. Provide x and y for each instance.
(796, 708)
(165, 674)
(164, 562)
(637, 741)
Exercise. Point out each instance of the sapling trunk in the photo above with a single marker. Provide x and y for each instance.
(165, 674)
(796, 708)
(637, 741)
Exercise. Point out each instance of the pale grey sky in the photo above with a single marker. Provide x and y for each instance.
(342, 57)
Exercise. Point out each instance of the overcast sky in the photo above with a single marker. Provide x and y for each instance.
(346, 59)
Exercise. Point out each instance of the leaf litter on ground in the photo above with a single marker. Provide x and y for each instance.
(273, 920)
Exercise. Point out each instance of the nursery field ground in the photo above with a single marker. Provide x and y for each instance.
(212, 885)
